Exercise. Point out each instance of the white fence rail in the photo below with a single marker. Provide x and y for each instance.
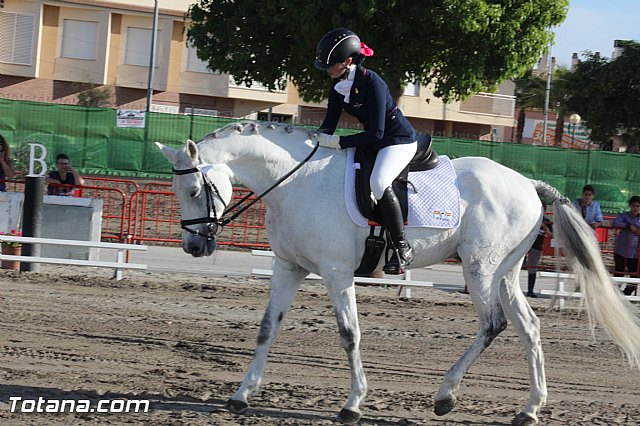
(561, 293)
(405, 283)
(118, 266)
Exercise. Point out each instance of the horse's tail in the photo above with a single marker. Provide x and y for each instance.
(605, 304)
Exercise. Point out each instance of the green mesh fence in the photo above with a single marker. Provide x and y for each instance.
(96, 146)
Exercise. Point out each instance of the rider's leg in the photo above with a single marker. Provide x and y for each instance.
(395, 224)
(389, 164)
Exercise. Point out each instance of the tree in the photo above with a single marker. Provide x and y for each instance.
(606, 94)
(462, 46)
(92, 95)
(530, 94)
(558, 98)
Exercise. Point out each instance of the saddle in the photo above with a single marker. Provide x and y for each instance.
(424, 159)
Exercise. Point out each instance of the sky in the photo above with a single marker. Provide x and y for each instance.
(594, 25)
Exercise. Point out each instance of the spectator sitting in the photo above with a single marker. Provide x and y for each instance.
(64, 174)
(6, 168)
(535, 253)
(589, 209)
(625, 254)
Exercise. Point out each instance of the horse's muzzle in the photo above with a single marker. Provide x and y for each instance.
(199, 246)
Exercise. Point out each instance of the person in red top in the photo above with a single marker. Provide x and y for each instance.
(364, 94)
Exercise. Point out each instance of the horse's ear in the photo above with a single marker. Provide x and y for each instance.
(192, 150)
(169, 153)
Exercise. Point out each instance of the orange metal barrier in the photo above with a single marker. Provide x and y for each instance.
(155, 216)
(125, 185)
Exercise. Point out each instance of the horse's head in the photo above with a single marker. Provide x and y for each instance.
(203, 191)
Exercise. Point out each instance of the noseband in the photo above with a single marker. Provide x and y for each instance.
(215, 223)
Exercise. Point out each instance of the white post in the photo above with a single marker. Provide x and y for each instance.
(117, 273)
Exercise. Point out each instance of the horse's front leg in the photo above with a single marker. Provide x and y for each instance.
(285, 283)
(343, 297)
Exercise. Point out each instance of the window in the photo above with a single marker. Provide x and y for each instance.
(138, 49)
(79, 39)
(16, 42)
(412, 89)
(194, 64)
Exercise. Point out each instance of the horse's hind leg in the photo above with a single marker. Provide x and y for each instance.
(491, 321)
(527, 326)
(285, 283)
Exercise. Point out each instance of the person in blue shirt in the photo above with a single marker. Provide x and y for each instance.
(535, 252)
(625, 253)
(364, 94)
(588, 208)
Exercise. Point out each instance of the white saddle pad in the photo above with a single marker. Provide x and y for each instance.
(434, 204)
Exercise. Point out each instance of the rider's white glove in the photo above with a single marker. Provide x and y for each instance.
(328, 141)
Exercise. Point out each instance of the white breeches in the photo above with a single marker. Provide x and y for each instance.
(389, 163)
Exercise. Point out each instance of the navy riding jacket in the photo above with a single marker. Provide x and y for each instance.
(371, 103)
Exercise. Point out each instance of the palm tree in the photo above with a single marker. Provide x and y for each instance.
(530, 94)
(558, 97)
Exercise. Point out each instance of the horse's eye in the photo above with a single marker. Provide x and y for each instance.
(194, 192)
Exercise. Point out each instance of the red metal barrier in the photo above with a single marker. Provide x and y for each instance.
(114, 210)
(14, 185)
(125, 185)
(155, 216)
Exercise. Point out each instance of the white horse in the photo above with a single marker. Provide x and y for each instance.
(310, 232)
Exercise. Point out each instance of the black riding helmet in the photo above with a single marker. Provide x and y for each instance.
(336, 46)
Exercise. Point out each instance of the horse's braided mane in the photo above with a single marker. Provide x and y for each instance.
(251, 127)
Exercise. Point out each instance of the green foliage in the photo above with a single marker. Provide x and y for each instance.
(606, 94)
(463, 46)
(21, 153)
(92, 95)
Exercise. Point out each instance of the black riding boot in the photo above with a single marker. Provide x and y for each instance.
(530, 285)
(392, 215)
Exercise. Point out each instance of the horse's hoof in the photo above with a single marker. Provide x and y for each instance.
(235, 406)
(348, 417)
(524, 419)
(443, 406)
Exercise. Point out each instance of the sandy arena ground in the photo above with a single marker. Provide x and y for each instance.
(184, 342)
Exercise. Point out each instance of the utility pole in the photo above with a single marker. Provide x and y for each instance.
(546, 98)
(152, 56)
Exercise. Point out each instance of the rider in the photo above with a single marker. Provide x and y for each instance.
(363, 94)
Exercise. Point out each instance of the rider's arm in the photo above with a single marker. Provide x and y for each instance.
(334, 109)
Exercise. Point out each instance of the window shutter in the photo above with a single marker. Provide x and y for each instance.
(16, 43)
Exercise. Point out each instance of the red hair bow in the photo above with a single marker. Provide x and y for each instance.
(365, 50)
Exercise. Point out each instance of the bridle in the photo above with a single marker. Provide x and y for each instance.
(215, 223)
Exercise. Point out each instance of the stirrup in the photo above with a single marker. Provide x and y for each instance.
(392, 266)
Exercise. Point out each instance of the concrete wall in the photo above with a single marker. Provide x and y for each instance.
(10, 211)
(69, 218)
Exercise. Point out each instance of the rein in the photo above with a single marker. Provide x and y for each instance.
(216, 224)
